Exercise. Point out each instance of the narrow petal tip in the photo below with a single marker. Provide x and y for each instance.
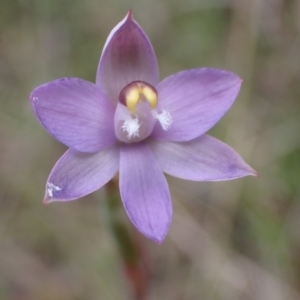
(249, 171)
(47, 200)
(158, 240)
(255, 173)
(157, 237)
(129, 15)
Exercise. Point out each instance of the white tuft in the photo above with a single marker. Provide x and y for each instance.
(165, 119)
(131, 127)
(51, 188)
(34, 99)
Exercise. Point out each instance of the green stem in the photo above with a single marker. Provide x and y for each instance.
(128, 242)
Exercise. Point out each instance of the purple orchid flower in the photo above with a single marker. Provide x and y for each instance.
(130, 123)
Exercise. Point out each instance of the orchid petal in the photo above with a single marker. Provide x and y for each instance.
(202, 159)
(77, 174)
(144, 191)
(196, 100)
(127, 56)
(76, 112)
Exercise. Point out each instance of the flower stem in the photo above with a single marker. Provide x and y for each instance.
(129, 243)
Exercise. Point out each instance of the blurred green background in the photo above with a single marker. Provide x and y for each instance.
(228, 240)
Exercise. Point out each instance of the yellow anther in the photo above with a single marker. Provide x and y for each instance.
(150, 95)
(132, 97)
(136, 92)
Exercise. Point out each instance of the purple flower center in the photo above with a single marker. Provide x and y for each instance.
(136, 113)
